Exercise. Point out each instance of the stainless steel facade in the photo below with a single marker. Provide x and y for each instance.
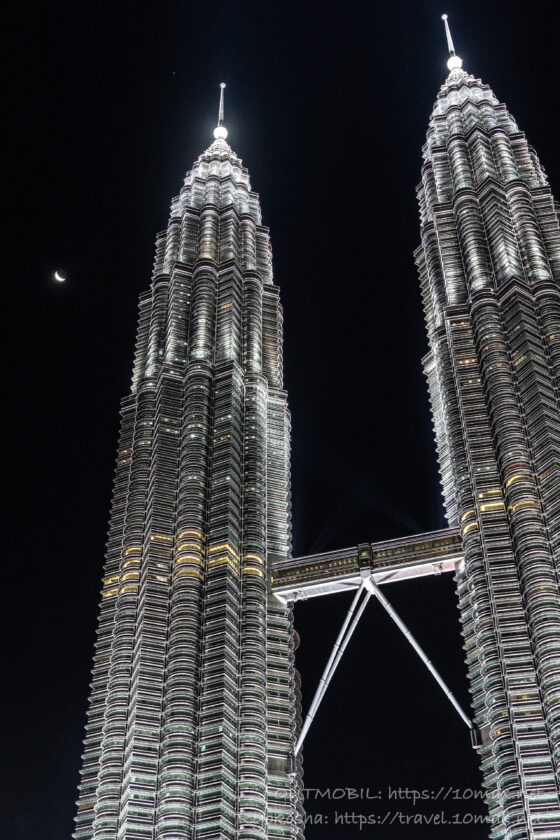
(194, 701)
(195, 705)
(489, 266)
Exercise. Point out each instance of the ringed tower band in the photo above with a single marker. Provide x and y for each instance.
(194, 725)
(489, 266)
(194, 705)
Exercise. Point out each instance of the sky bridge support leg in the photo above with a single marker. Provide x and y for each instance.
(342, 640)
(375, 590)
(349, 625)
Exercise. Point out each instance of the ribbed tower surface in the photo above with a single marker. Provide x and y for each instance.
(489, 266)
(194, 704)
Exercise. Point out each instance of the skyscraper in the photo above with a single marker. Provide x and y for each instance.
(489, 266)
(194, 703)
(194, 711)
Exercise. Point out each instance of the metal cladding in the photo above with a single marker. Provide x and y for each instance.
(194, 705)
(390, 561)
(489, 266)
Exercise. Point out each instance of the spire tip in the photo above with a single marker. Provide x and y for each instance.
(454, 62)
(220, 132)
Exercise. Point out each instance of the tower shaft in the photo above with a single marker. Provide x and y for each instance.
(489, 266)
(194, 703)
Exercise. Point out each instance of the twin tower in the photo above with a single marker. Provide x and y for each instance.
(195, 712)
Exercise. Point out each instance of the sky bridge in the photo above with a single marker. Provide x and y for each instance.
(405, 558)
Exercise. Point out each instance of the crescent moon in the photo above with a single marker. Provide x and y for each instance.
(59, 277)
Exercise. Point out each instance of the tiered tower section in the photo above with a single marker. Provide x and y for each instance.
(489, 266)
(194, 700)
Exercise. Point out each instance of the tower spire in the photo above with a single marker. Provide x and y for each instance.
(454, 62)
(220, 132)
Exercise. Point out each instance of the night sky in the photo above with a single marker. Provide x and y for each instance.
(327, 104)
